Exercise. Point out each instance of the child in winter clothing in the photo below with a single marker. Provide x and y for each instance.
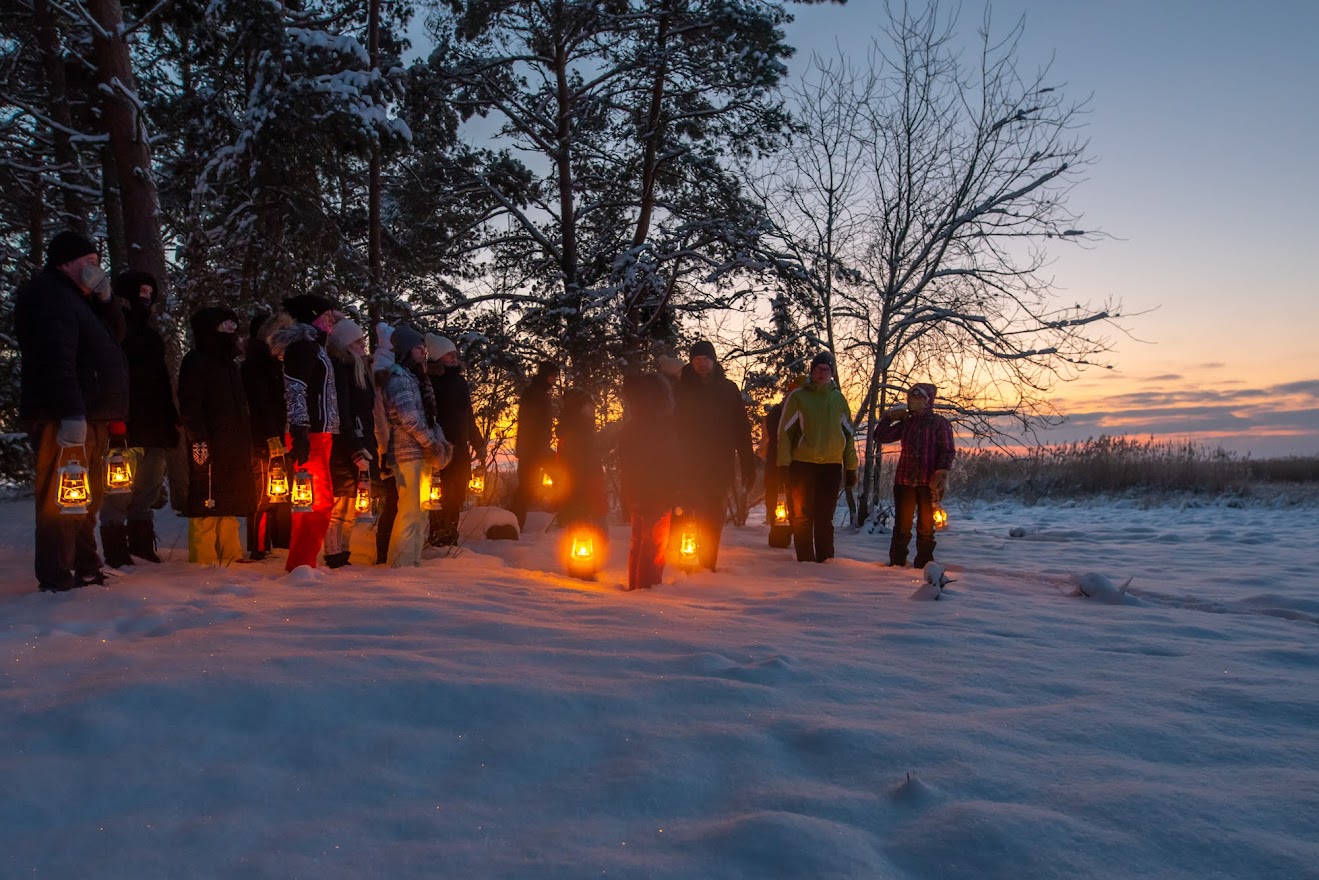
(922, 470)
(213, 408)
(417, 446)
(350, 453)
(649, 465)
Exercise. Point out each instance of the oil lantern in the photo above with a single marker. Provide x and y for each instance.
(302, 496)
(118, 472)
(73, 489)
(432, 492)
(688, 546)
(364, 503)
(277, 480)
(582, 561)
(476, 485)
(940, 517)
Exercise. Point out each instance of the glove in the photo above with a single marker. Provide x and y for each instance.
(301, 448)
(938, 484)
(275, 445)
(201, 453)
(443, 453)
(118, 430)
(385, 472)
(93, 278)
(362, 459)
(849, 479)
(73, 432)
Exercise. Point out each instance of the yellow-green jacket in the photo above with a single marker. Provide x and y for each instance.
(817, 427)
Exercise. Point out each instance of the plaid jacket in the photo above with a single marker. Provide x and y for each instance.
(927, 446)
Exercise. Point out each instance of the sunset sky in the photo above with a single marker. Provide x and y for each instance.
(1205, 121)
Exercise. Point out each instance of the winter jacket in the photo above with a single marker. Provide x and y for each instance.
(582, 469)
(309, 391)
(72, 363)
(816, 427)
(712, 425)
(356, 417)
(153, 418)
(927, 443)
(214, 411)
(648, 454)
(412, 438)
(263, 382)
(453, 408)
(535, 422)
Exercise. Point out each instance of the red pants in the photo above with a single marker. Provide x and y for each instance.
(309, 528)
(645, 556)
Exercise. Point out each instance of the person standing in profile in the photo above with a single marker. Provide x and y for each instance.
(818, 451)
(648, 465)
(74, 387)
(535, 432)
(453, 408)
(269, 524)
(219, 438)
(128, 520)
(921, 476)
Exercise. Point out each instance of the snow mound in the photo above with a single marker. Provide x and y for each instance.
(1101, 588)
(477, 521)
(305, 576)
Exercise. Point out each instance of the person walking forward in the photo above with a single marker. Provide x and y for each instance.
(922, 470)
(818, 450)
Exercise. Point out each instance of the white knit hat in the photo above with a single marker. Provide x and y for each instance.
(438, 346)
(346, 332)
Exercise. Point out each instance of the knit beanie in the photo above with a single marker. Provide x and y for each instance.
(703, 348)
(307, 307)
(346, 332)
(404, 340)
(68, 246)
(438, 346)
(822, 358)
(924, 389)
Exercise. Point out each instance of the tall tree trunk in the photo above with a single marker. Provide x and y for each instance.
(76, 207)
(116, 237)
(128, 140)
(375, 259)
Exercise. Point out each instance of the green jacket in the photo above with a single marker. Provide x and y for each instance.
(816, 426)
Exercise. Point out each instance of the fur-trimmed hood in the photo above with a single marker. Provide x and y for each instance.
(282, 331)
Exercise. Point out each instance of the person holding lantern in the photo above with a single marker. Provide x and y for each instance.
(770, 435)
(921, 476)
(712, 428)
(453, 407)
(73, 389)
(217, 433)
(817, 450)
(268, 523)
(297, 337)
(387, 486)
(350, 452)
(128, 519)
(648, 460)
(534, 443)
(417, 447)
(581, 467)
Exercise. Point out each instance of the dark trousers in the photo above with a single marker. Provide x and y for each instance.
(388, 489)
(65, 544)
(709, 507)
(814, 489)
(771, 490)
(453, 494)
(909, 500)
(645, 555)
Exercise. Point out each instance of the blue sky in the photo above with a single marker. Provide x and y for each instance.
(1205, 120)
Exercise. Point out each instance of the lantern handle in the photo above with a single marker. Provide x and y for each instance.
(60, 459)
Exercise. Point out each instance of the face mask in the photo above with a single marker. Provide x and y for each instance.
(228, 326)
(93, 279)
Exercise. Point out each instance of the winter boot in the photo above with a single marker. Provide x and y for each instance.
(142, 540)
(114, 545)
(336, 560)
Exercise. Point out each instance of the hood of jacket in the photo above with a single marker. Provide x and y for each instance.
(928, 390)
(282, 331)
(206, 335)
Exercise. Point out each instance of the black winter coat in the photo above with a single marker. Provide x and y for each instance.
(309, 391)
(712, 426)
(214, 411)
(72, 363)
(357, 430)
(453, 408)
(153, 418)
(263, 383)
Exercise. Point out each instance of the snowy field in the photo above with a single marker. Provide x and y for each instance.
(486, 716)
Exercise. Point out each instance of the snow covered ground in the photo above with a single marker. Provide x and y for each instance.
(486, 716)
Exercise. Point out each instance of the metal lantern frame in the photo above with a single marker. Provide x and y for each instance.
(120, 470)
(73, 486)
(583, 558)
(689, 544)
(278, 487)
(302, 491)
(364, 501)
(432, 491)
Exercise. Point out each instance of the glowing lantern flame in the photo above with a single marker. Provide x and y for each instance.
(302, 495)
(940, 518)
(363, 504)
(432, 493)
(118, 473)
(546, 480)
(687, 547)
(781, 512)
(73, 488)
(277, 481)
(476, 485)
(582, 562)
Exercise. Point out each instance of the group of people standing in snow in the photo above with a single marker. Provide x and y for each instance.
(303, 388)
